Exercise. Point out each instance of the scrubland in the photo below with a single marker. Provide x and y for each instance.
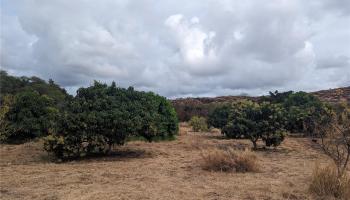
(161, 170)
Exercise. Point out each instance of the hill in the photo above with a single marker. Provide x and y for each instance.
(334, 95)
(188, 107)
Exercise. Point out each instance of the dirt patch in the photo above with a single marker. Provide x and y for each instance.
(163, 170)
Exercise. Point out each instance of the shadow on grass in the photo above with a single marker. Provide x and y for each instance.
(115, 155)
(216, 137)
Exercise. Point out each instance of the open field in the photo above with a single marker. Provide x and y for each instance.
(164, 170)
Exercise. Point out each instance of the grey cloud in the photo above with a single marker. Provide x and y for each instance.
(335, 62)
(180, 48)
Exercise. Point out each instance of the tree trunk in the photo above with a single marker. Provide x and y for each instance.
(255, 146)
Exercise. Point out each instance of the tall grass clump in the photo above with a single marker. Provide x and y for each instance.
(326, 183)
(229, 161)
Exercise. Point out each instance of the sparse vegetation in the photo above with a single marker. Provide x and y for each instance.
(139, 164)
(334, 180)
(101, 118)
(326, 183)
(229, 160)
(198, 124)
(335, 138)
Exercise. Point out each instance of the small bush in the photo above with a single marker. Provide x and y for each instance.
(229, 160)
(325, 183)
(198, 124)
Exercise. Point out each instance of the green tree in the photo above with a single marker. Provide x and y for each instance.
(218, 118)
(301, 110)
(101, 116)
(13, 85)
(30, 115)
(256, 121)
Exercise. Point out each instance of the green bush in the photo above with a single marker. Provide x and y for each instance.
(198, 124)
(256, 121)
(101, 116)
(30, 115)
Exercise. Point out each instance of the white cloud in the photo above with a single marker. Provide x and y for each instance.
(195, 45)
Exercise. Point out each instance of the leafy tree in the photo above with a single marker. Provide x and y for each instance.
(198, 124)
(301, 110)
(30, 115)
(219, 116)
(276, 97)
(256, 121)
(101, 116)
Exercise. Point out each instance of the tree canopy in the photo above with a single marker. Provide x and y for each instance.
(101, 116)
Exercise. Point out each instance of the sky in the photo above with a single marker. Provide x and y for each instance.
(180, 48)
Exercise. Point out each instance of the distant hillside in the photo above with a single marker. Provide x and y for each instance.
(334, 95)
(188, 107)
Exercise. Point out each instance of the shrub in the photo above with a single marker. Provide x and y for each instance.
(256, 121)
(326, 183)
(30, 115)
(335, 139)
(101, 116)
(229, 160)
(198, 124)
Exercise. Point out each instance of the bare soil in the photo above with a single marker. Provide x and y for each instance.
(163, 170)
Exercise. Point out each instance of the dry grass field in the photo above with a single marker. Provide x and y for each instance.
(163, 170)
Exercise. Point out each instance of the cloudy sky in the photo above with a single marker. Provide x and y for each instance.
(180, 47)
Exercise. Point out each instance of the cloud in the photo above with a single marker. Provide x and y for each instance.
(182, 48)
(335, 62)
(196, 46)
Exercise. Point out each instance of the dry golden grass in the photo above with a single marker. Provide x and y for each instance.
(326, 184)
(229, 160)
(164, 170)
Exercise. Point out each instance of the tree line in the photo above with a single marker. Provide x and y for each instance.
(92, 122)
(273, 116)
